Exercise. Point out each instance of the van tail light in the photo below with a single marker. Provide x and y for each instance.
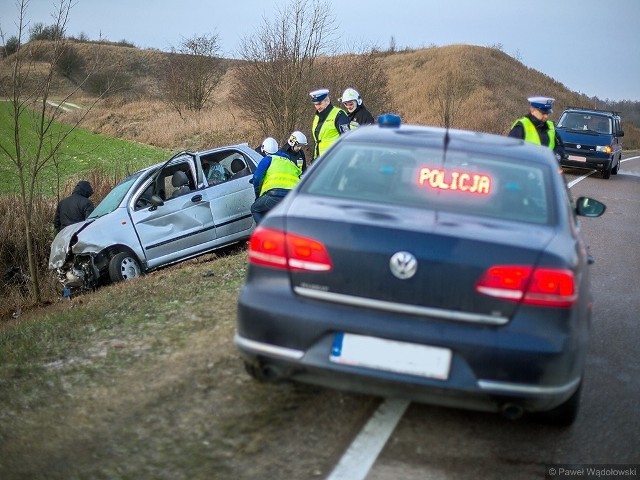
(276, 249)
(549, 287)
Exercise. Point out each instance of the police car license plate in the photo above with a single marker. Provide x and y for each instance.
(391, 355)
(576, 158)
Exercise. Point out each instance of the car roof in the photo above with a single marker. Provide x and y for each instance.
(594, 111)
(462, 140)
(187, 153)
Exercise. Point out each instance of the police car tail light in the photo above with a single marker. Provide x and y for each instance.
(604, 148)
(276, 249)
(550, 287)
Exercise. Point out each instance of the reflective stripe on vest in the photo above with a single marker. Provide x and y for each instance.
(531, 135)
(328, 131)
(282, 173)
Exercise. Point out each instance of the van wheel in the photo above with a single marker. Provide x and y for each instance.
(606, 172)
(124, 266)
(616, 169)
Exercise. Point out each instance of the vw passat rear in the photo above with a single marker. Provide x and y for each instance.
(444, 267)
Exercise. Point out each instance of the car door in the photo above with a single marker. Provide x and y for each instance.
(231, 200)
(182, 226)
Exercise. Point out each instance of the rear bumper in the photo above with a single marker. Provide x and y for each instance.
(536, 367)
(311, 367)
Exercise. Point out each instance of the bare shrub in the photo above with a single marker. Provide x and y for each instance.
(193, 73)
(70, 62)
(273, 83)
(16, 288)
(366, 73)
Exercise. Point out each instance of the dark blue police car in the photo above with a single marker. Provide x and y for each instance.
(436, 265)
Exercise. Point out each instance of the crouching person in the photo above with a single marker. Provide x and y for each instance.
(275, 176)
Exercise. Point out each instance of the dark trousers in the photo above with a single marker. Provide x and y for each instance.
(266, 202)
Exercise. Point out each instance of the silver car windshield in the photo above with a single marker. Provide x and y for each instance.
(114, 197)
(467, 182)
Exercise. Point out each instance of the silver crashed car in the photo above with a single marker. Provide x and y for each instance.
(191, 204)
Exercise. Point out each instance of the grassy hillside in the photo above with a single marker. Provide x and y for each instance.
(82, 152)
(498, 86)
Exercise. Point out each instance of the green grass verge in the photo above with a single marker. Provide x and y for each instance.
(81, 152)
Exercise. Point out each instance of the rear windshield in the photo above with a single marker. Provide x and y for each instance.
(465, 182)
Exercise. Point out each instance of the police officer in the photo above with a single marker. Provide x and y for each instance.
(535, 127)
(274, 178)
(294, 148)
(269, 146)
(356, 111)
(329, 122)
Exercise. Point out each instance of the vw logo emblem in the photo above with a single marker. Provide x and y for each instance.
(578, 146)
(403, 265)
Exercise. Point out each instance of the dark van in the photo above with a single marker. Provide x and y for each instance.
(592, 139)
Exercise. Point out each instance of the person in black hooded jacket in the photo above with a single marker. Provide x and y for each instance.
(75, 208)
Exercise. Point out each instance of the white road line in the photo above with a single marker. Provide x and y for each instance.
(579, 179)
(364, 450)
(591, 172)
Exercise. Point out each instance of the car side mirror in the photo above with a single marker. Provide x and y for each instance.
(589, 207)
(621, 133)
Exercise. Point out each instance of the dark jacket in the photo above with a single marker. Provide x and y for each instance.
(298, 157)
(543, 131)
(75, 208)
(361, 116)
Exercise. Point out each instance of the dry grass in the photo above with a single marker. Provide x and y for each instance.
(499, 88)
(15, 288)
(153, 122)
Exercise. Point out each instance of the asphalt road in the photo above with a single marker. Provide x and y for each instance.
(438, 443)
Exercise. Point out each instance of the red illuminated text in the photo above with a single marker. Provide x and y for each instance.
(461, 181)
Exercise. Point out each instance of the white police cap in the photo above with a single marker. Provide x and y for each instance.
(542, 103)
(319, 95)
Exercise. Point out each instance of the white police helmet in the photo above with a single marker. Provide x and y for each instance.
(269, 146)
(297, 137)
(351, 95)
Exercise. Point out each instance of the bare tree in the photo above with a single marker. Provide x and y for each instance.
(37, 136)
(195, 69)
(363, 71)
(280, 65)
(449, 94)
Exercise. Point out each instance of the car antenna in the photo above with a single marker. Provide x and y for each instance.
(446, 144)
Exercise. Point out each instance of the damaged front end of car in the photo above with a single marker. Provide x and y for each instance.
(79, 273)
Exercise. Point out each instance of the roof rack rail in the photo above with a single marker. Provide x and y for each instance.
(592, 109)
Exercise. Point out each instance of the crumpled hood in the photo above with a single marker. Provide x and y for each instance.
(60, 245)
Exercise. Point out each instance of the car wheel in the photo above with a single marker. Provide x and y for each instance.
(124, 266)
(606, 172)
(616, 169)
(564, 414)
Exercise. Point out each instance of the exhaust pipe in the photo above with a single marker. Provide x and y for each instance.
(512, 411)
(272, 373)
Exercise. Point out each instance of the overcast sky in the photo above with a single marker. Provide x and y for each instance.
(591, 46)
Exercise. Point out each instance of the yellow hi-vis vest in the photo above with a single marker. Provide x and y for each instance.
(328, 132)
(282, 173)
(531, 135)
